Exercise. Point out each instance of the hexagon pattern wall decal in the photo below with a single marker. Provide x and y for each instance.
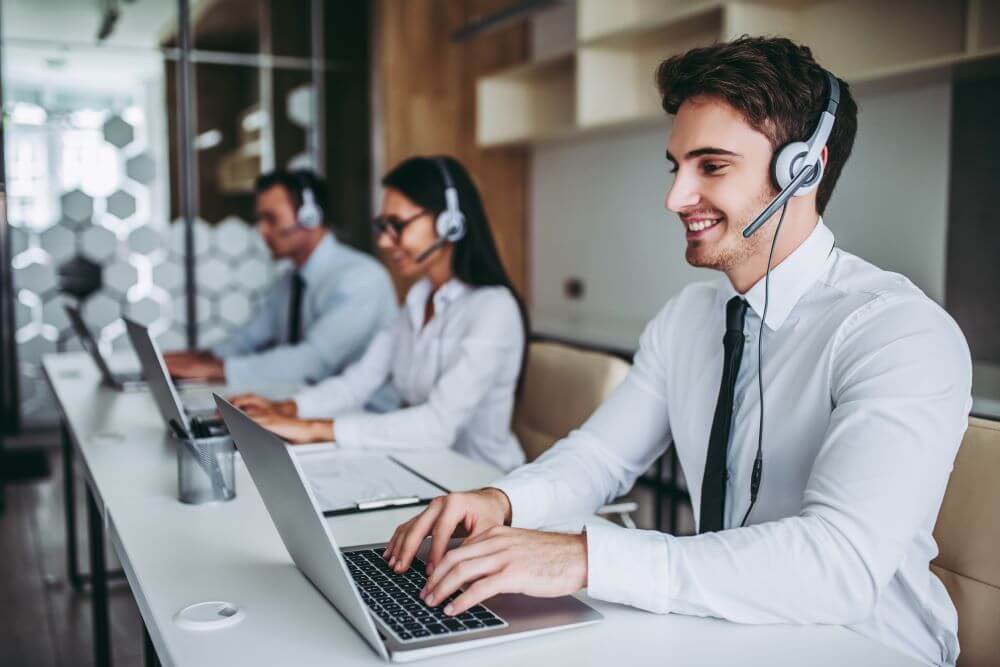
(120, 263)
(145, 311)
(141, 169)
(144, 240)
(169, 276)
(33, 349)
(213, 275)
(232, 237)
(120, 276)
(98, 244)
(59, 243)
(20, 240)
(23, 314)
(121, 205)
(202, 237)
(101, 310)
(53, 313)
(117, 132)
(36, 277)
(77, 206)
(79, 277)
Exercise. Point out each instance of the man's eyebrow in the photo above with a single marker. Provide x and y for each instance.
(706, 150)
(709, 150)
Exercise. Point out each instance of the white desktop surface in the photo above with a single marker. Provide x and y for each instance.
(175, 555)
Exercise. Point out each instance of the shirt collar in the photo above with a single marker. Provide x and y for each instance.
(320, 260)
(416, 298)
(790, 279)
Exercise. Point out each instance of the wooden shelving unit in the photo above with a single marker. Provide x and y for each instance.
(607, 80)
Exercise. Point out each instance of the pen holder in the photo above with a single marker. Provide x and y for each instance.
(206, 469)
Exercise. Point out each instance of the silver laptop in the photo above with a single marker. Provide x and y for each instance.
(384, 607)
(198, 418)
(119, 381)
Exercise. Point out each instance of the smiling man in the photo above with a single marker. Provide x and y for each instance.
(821, 513)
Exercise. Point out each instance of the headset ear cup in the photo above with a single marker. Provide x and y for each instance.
(450, 226)
(786, 162)
(811, 183)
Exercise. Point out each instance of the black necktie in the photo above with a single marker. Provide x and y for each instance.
(713, 486)
(295, 310)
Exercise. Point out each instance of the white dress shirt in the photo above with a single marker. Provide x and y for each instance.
(867, 388)
(348, 298)
(457, 374)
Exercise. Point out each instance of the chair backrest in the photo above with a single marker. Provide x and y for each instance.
(968, 536)
(562, 387)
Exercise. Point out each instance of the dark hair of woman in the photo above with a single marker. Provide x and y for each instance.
(475, 261)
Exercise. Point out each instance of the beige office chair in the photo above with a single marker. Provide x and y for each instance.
(563, 385)
(968, 535)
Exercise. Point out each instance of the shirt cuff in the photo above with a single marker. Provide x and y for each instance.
(309, 404)
(348, 431)
(527, 507)
(628, 566)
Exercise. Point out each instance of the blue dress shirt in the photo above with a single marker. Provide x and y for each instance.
(348, 299)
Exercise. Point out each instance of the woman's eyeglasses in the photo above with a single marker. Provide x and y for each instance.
(392, 225)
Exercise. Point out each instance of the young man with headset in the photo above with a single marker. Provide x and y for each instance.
(821, 513)
(314, 319)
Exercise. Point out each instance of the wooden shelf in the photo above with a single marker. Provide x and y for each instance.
(615, 73)
(528, 102)
(597, 19)
(607, 81)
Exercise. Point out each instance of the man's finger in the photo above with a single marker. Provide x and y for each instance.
(414, 537)
(481, 590)
(457, 556)
(444, 527)
(463, 573)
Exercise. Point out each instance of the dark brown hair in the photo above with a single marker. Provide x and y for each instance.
(775, 84)
(476, 260)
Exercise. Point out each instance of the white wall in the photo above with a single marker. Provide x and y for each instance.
(597, 209)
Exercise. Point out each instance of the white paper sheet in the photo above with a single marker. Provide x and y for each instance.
(342, 479)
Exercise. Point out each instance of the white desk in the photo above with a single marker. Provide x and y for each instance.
(174, 555)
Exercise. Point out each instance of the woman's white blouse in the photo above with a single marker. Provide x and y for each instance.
(456, 377)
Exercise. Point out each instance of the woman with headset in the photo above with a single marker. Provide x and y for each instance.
(455, 352)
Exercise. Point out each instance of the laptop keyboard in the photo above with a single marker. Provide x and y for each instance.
(395, 598)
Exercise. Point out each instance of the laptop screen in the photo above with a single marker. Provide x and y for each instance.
(88, 342)
(154, 369)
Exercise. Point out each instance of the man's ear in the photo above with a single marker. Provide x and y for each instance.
(824, 155)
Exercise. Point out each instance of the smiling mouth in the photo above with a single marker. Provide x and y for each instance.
(696, 226)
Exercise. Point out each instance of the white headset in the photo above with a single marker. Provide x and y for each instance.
(450, 223)
(309, 214)
(797, 168)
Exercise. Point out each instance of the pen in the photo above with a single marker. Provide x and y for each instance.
(379, 503)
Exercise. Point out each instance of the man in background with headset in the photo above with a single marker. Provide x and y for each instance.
(315, 319)
(824, 512)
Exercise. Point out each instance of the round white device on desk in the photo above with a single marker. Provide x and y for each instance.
(213, 615)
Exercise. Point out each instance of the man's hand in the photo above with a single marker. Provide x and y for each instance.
(297, 431)
(476, 511)
(195, 366)
(508, 560)
(257, 406)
